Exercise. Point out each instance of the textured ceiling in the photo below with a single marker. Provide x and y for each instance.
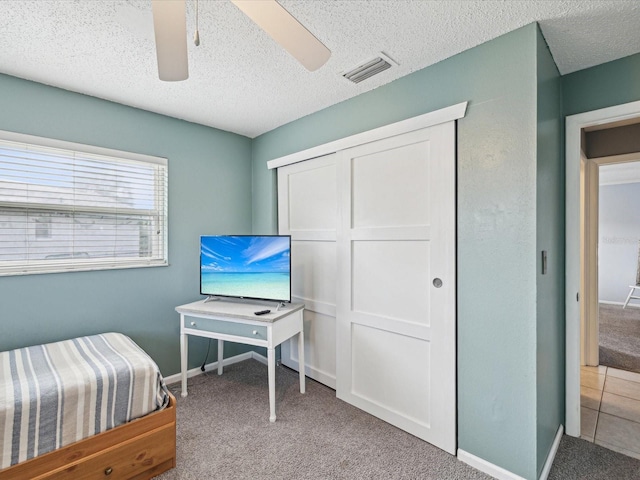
(242, 81)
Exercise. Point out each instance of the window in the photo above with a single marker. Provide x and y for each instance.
(43, 227)
(66, 206)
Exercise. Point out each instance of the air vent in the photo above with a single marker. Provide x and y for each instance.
(368, 69)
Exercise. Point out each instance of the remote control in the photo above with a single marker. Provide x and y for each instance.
(262, 312)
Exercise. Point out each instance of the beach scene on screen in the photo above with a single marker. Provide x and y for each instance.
(251, 267)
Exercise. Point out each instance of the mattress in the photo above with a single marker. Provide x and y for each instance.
(55, 394)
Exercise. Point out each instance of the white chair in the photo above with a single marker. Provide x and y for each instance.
(637, 285)
(631, 295)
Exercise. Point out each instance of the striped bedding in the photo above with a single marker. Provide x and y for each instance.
(56, 394)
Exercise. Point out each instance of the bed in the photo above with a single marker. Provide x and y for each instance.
(89, 407)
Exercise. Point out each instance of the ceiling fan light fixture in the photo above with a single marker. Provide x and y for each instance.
(170, 26)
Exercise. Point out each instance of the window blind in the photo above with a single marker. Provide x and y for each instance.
(67, 207)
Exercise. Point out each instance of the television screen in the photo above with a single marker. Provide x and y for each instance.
(246, 266)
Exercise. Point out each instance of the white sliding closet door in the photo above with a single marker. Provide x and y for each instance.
(373, 259)
(307, 210)
(396, 281)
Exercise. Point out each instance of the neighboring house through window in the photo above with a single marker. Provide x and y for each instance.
(67, 206)
(43, 227)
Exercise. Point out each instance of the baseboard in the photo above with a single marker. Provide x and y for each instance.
(214, 366)
(314, 373)
(502, 474)
(606, 302)
(486, 467)
(552, 454)
(259, 357)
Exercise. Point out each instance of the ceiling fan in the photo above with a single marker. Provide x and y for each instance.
(169, 21)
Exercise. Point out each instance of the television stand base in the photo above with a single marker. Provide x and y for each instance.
(211, 298)
(236, 322)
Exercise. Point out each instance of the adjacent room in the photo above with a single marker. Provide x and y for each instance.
(619, 269)
(611, 336)
(319, 239)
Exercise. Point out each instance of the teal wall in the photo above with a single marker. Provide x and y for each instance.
(550, 293)
(497, 244)
(612, 83)
(209, 192)
(510, 177)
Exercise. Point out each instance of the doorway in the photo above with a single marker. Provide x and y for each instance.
(610, 380)
(582, 281)
(610, 191)
(619, 238)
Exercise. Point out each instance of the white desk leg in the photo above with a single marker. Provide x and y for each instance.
(184, 345)
(301, 358)
(271, 362)
(220, 355)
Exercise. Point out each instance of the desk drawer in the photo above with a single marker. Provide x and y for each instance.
(227, 328)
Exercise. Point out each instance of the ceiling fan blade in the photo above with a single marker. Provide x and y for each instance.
(287, 31)
(170, 26)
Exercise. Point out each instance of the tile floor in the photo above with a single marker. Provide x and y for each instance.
(610, 408)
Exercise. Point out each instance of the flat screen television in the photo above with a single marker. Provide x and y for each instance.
(246, 266)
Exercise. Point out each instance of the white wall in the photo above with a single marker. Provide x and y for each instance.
(619, 232)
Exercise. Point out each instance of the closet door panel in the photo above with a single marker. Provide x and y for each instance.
(391, 279)
(388, 187)
(381, 376)
(313, 270)
(396, 282)
(312, 198)
(318, 353)
(307, 210)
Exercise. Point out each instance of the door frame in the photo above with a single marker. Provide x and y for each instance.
(447, 114)
(576, 294)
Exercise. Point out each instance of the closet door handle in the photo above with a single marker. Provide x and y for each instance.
(437, 282)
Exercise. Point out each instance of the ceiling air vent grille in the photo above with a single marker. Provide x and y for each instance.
(367, 70)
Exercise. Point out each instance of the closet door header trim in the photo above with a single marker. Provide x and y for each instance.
(436, 117)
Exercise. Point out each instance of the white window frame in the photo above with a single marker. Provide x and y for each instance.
(20, 267)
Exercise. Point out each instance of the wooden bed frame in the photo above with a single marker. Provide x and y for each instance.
(138, 450)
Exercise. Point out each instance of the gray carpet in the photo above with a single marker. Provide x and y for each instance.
(619, 337)
(578, 459)
(224, 433)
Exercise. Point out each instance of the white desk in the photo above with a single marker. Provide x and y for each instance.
(236, 322)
